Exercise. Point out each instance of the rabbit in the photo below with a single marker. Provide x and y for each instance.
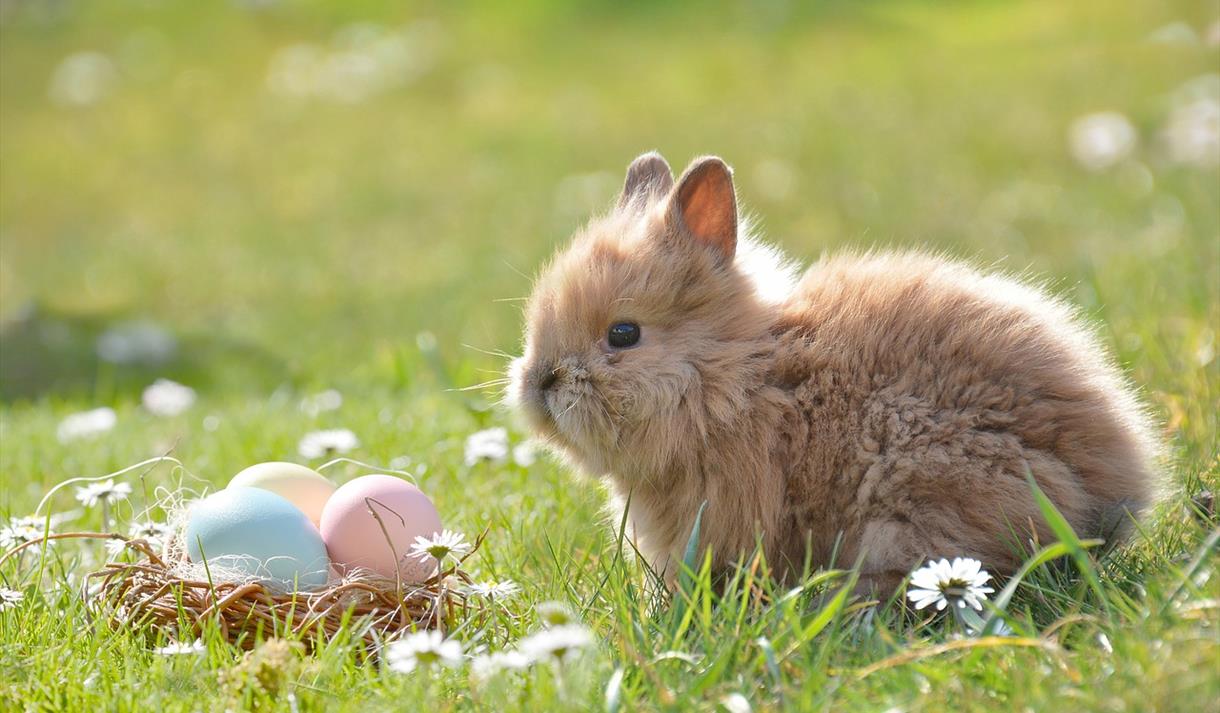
(883, 408)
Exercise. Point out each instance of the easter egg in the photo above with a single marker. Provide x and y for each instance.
(254, 533)
(371, 522)
(301, 486)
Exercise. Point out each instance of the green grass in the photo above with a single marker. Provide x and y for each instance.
(297, 245)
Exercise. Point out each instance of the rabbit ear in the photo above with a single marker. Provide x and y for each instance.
(705, 204)
(649, 173)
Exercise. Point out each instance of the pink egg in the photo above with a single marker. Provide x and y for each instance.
(356, 539)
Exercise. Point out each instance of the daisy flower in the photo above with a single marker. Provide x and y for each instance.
(114, 548)
(494, 590)
(1193, 132)
(525, 454)
(167, 398)
(1105, 642)
(136, 342)
(86, 424)
(104, 492)
(154, 533)
(422, 649)
(82, 79)
(487, 445)
(325, 443)
(1001, 628)
(175, 648)
(151, 530)
(315, 404)
(554, 613)
(558, 643)
(21, 530)
(735, 703)
(485, 666)
(446, 543)
(1101, 140)
(9, 598)
(961, 582)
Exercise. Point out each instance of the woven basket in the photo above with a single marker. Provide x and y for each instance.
(372, 609)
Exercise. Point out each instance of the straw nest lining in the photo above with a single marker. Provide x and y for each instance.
(152, 591)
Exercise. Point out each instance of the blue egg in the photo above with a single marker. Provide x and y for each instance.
(255, 533)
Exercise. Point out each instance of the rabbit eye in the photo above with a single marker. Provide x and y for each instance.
(623, 334)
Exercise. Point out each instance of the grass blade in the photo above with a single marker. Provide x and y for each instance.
(824, 617)
(1063, 530)
(1044, 555)
(614, 691)
(692, 545)
(687, 573)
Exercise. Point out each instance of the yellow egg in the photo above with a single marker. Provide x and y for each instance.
(305, 488)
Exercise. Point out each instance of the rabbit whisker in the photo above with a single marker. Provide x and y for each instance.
(484, 385)
(490, 352)
(510, 266)
(570, 406)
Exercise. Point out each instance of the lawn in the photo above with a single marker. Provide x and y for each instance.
(267, 201)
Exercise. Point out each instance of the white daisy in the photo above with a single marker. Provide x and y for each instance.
(525, 454)
(327, 443)
(106, 491)
(321, 402)
(9, 598)
(21, 530)
(494, 590)
(961, 583)
(1105, 642)
(485, 666)
(167, 398)
(554, 613)
(422, 648)
(1174, 33)
(1100, 140)
(1001, 628)
(175, 648)
(558, 643)
(86, 424)
(137, 342)
(735, 703)
(154, 533)
(446, 543)
(487, 445)
(1193, 132)
(151, 530)
(82, 79)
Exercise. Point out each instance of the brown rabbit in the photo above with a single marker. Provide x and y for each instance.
(891, 403)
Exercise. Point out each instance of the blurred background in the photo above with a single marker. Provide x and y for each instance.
(248, 195)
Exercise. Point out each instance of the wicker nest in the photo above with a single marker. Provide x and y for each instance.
(371, 609)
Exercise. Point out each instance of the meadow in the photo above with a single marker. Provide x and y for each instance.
(322, 216)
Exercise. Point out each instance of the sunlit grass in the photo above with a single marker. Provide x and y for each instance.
(292, 245)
